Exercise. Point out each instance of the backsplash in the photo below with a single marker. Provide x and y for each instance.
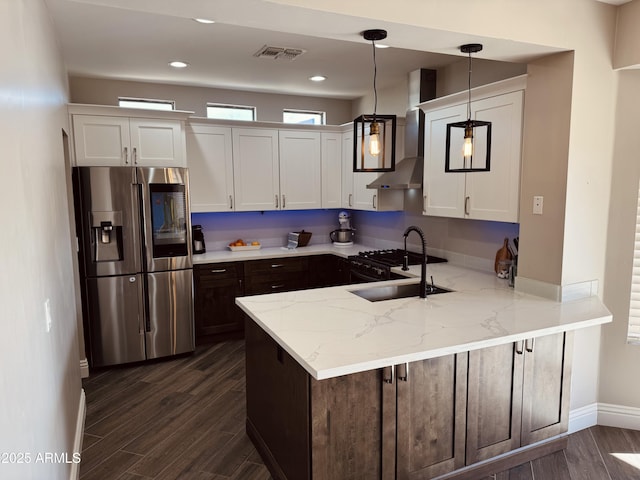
(270, 228)
(472, 243)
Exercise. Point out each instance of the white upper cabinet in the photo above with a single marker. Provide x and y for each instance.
(100, 140)
(300, 170)
(110, 136)
(210, 162)
(331, 152)
(347, 169)
(355, 194)
(256, 169)
(157, 142)
(492, 195)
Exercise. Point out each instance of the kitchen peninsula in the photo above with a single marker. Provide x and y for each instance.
(342, 387)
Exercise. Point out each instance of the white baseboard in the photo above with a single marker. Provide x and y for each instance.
(618, 416)
(604, 414)
(583, 417)
(84, 368)
(77, 442)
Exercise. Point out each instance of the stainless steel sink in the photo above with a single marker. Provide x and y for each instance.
(390, 292)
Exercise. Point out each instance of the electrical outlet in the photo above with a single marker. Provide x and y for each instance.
(47, 315)
(537, 205)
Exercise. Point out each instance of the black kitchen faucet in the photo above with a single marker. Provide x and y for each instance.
(423, 263)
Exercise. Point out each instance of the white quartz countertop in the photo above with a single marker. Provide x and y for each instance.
(220, 256)
(332, 332)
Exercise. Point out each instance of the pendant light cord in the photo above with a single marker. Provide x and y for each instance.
(469, 90)
(375, 74)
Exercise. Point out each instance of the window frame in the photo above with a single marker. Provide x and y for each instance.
(143, 103)
(323, 116)
(633, 331)
(231, 107)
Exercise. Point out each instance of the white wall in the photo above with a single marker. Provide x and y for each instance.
(194, 99)
(620, 360)
(40, 376)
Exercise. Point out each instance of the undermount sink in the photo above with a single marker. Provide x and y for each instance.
(390, 292)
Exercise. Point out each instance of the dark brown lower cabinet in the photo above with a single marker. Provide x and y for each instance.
(421, 420)
(431, 416)
(354, 426)
(216, 315)
(518, 394)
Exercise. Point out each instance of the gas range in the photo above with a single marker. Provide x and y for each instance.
(375, 265)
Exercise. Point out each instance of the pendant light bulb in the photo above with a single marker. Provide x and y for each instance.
(374, 139)
(467, 146)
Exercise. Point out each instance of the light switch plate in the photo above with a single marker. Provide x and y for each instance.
(537, 205)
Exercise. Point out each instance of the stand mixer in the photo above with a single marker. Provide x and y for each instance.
(343, 237)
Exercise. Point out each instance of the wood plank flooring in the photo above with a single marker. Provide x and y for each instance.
(184, 419)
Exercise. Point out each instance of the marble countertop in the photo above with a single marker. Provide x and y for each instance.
(332, 332)
(219, 256)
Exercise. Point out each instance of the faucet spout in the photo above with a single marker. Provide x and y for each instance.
(423, 270)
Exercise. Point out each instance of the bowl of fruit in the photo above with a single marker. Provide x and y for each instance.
(239, 245)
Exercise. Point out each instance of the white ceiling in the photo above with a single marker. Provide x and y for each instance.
(135, 40)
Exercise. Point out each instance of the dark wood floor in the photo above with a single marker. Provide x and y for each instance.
(184, 419)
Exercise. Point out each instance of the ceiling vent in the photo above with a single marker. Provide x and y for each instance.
(284, 53)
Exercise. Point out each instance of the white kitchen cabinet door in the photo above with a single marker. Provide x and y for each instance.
(300, 170)
(495, 195)
(331, 150)
(101, 140)
(443, 193)
(210, 162)
(492, 195)
(364, 198)
(347, 169)
(157, 142)
(256, 169)
(355, 194)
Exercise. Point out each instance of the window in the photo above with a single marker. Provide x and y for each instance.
(633, 335)
(231, 112)
(146, 103)
(303, 116)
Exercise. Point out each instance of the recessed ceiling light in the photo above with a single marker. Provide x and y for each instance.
(204, 20)
(318, 78)
(178, 64)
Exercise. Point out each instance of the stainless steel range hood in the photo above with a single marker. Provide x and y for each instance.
(408, 172)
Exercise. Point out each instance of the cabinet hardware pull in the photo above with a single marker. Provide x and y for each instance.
(275, 287)
(529, 344)
(375, 197)
(387, 374)
(519, 345)
(277, 202)
(221, 270)
(277, 265)
(350, 198)
(284, 203)
(403, 372)
(230, 202)
(424, 203)
(126, 155)
(135, 155)
(466, 205)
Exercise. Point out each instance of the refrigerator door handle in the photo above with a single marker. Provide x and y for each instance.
(134, 279)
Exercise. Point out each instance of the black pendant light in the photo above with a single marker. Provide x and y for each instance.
(469, 142)
(374, 136)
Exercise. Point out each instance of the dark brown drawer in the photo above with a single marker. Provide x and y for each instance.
(218, 271)
(275, 266)
(283, 282)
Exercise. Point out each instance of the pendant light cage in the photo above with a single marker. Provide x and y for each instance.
(374, 136)
(468, 143)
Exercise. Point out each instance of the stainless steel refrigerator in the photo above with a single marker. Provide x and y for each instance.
(134, 232)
